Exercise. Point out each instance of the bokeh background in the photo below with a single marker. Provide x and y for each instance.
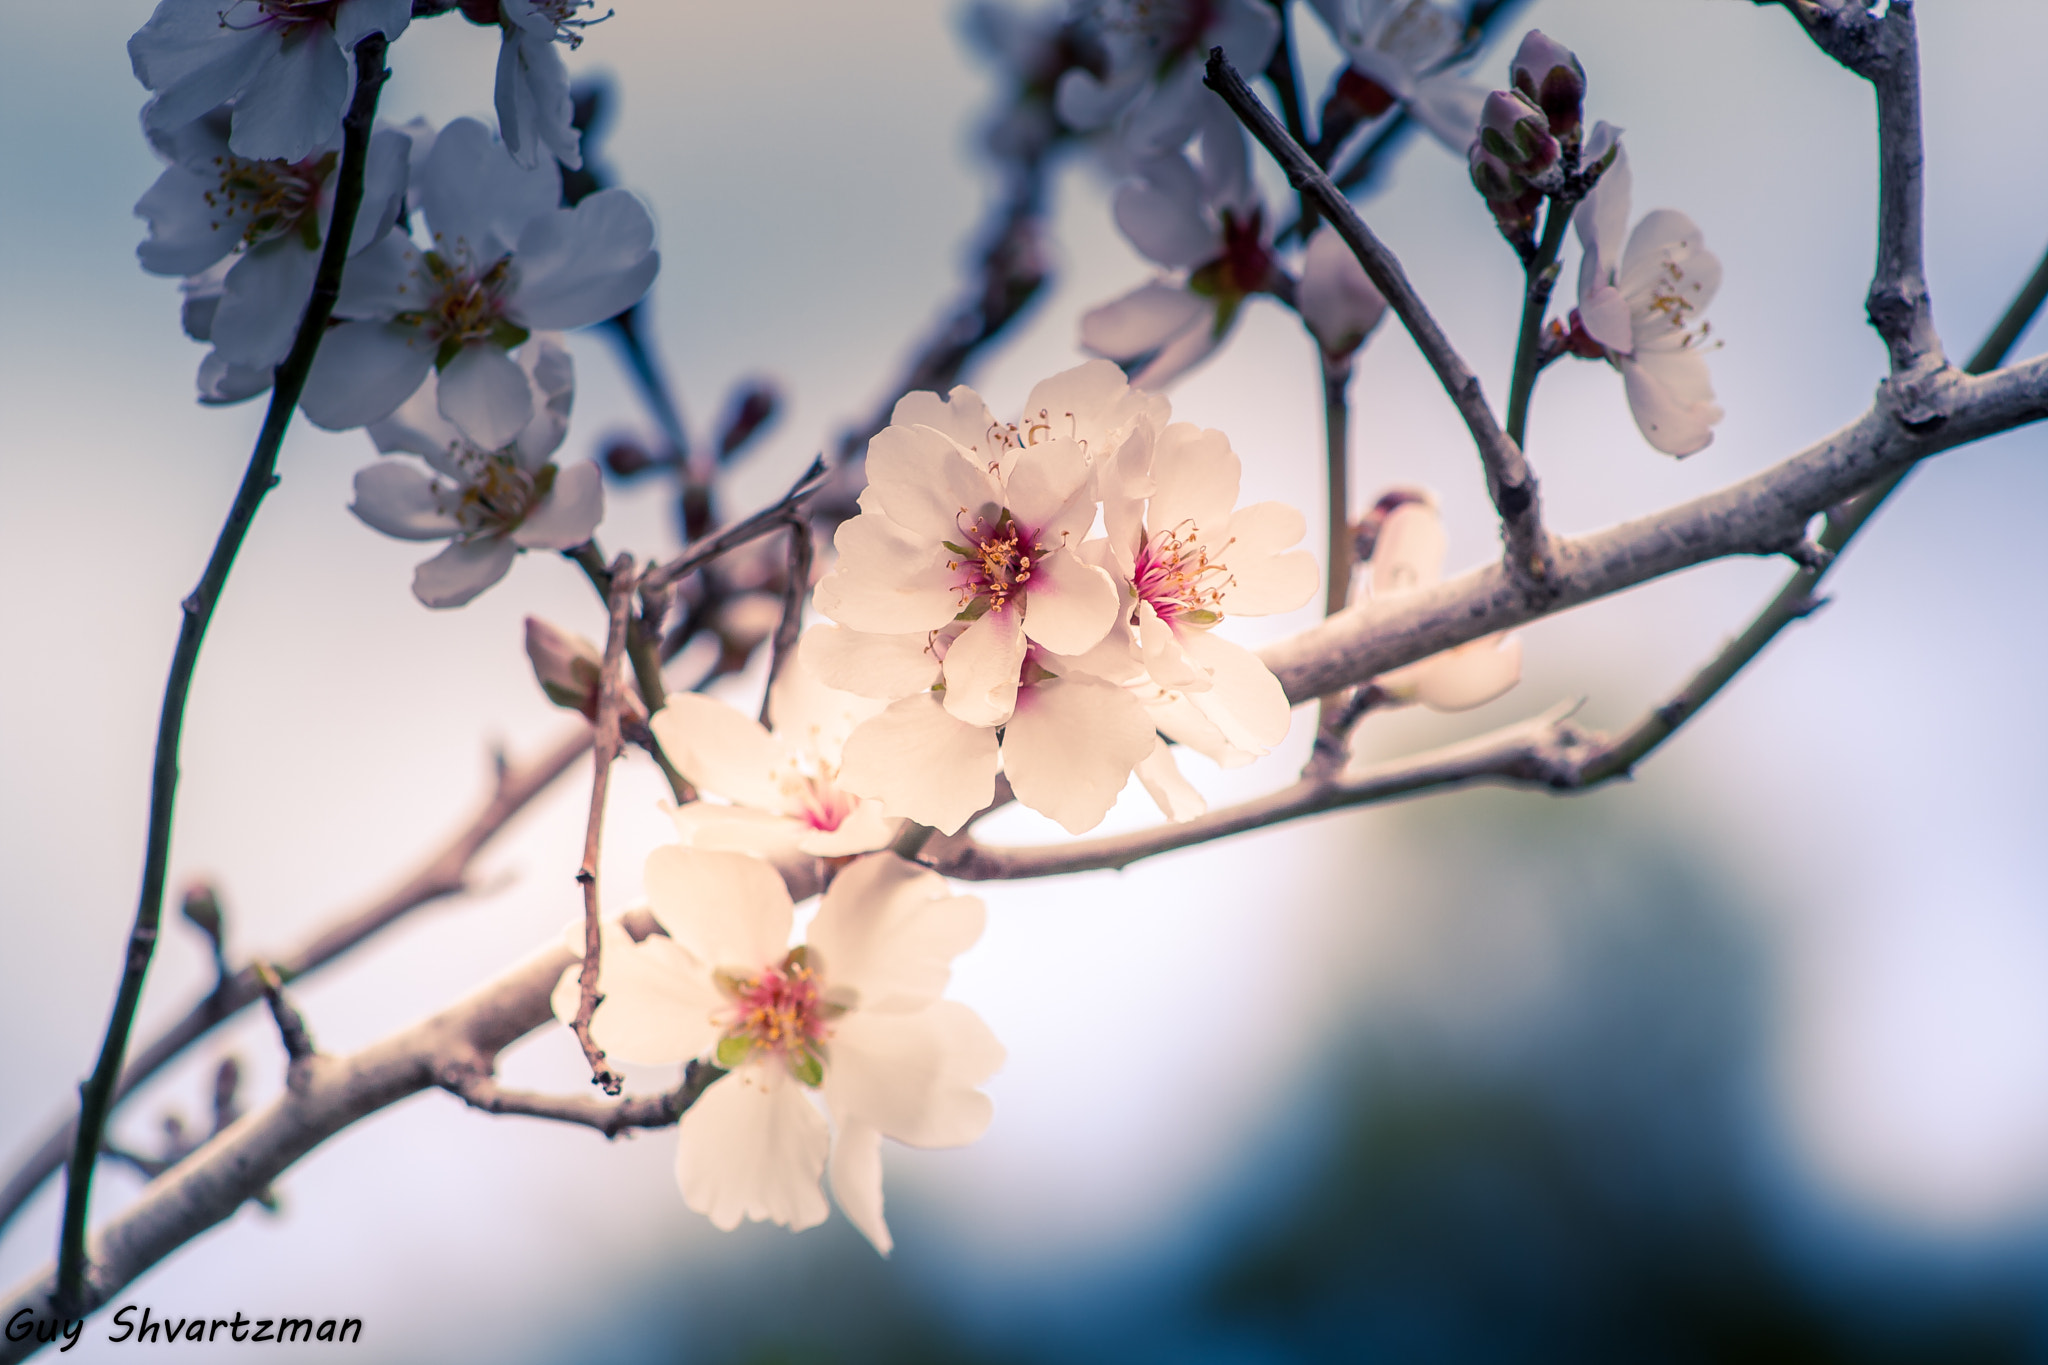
(1746, 1059)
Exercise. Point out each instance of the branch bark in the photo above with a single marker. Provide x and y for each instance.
(1508, 478)
(605, 748)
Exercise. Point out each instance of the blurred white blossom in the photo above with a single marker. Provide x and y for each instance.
(1408, 556)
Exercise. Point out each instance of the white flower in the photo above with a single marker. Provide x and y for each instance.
(1156, 51)
(1408, 556)
(1640, 305)
(1206, 224)
(1068, 739)
(534, 107)
(492, 502)
(783, 786)
(1338, 301)
(1187, 556)
(283, 64)
(971, 519)
(854, 1014)
(1400, 48)
(505, 260)
(267, 220)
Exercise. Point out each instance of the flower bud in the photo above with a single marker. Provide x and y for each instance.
(1338, 302)
(567, 665)
(1549, 76)
(624, 457)
(201, 908)
(748, 412)
(1514, 201)
(1516, 131)
(1355, 98)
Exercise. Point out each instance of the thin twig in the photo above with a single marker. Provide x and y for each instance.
(1530, 559)
(445, 873)
(96, 1094)
(291, 1028)
(739, 533)
(1540, 277)
(605, 747)
(480, 1090)
(794, 590)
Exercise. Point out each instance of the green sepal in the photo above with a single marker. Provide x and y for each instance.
(450, 349)
(975, 610)
(733, 1050)
(1201, 617)
(960, 550)
(508, 334)
(808, 1067)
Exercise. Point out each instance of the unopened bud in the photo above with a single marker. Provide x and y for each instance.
(748, 412)
(1355, 98)
(201, 908)
(1516, 131)
(1513, 200)
(1549, 76)
(567, 665)
(1365, 532)
(1338, 302)
(626, 457)
(479, 11)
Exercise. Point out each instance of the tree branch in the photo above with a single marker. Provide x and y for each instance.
(443, 874)
(1509, 481)
(796, 587)
(769, 518)
(606, 749)
(480, 1090)
(96, 1094)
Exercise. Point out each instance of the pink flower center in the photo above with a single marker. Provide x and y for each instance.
(498, 494)
(781, 1013)
(269, 198)
(1177, 579)
(465, 303)
(820, 804)
(994, 564)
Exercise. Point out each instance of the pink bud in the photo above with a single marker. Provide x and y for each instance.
(1549, 76)
(1337, 299)
(1516, 131)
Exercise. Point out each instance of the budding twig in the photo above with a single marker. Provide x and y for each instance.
(1530, 558)
(605, 747)
(96, 1094)
(740, 532)
(291, 1028)
(476, 1086)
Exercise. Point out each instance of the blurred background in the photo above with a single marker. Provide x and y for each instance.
(1746, 1059)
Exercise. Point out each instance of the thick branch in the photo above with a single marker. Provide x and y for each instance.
(97, 1093)
(1508, 479)
(445, 873)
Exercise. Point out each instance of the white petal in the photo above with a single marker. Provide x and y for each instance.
(552, 370)
(960, 416)
(889, 930)
(293, 102)
(657, 1002)
(913, 1076)
(221, 382)
(486, 395)
(381, 280)
(418, 428)
(1449, 106)
(1071, 605)
(1143, 321)
(1244, 699)
(922, 764)
(1409, 552)
(1338, 301)
(857, 1181)
(193, 61)
(720, 750)
(477, 197)
(263, 298)
(728, 911)
(452, 577)
(1601, 219)
(355, 20)
(810, 716)
(1182, 353)
(1166, 226)
(1470, 675)
(582, 265)
(926, 486)
(1667, 252)
(982, 666)
(738, 829)
(186, 234)
(1070, 748)
(887, 581)
(1050, 491)
(867, 828)
(1665, 391)
(362, 372)
(754, 1146)
(1196, 477)
(883, 667)
(570, 512)
(1175, 796)
(1265, 577)
(1604, 312)
(395, 498)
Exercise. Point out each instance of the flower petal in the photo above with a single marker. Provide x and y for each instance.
(1070, 748)
(452, 577)
(857, 1181)
(362, 372)
(921, 763)
(582, 265)
(570, 512)
(754, 1146)
(1409, 551)
(1672, 400)
(1470, 675)
(479, 200)
(913, 1076)
(887, 581)
(486, 395)
(720, 750)
(395, 498)
(293, 102)
(889, 931)
(1143, 321)
(1164, 220)
(982, 666)
(1050, 491)
(1071, 605)
(657, 1003)
(1175, 796)
(1195, 475)
(1265, 577)
(1244, 699)
(262, 298)
(867, 828)
(882, 667)
(925, 485)
(729, 911)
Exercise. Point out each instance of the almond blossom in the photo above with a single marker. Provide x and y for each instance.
(1407, 557)
(970, 519)
(504, 260)
(1399, 53)
(490, 502)
(267, 220)
(1068, 742)
(782, 785)
(1204, 222)
(1338, 302)
(1154, 51)
(1639, 305)
(1187, 557)
(534, 107)
(853, 1015)
(283, 65)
